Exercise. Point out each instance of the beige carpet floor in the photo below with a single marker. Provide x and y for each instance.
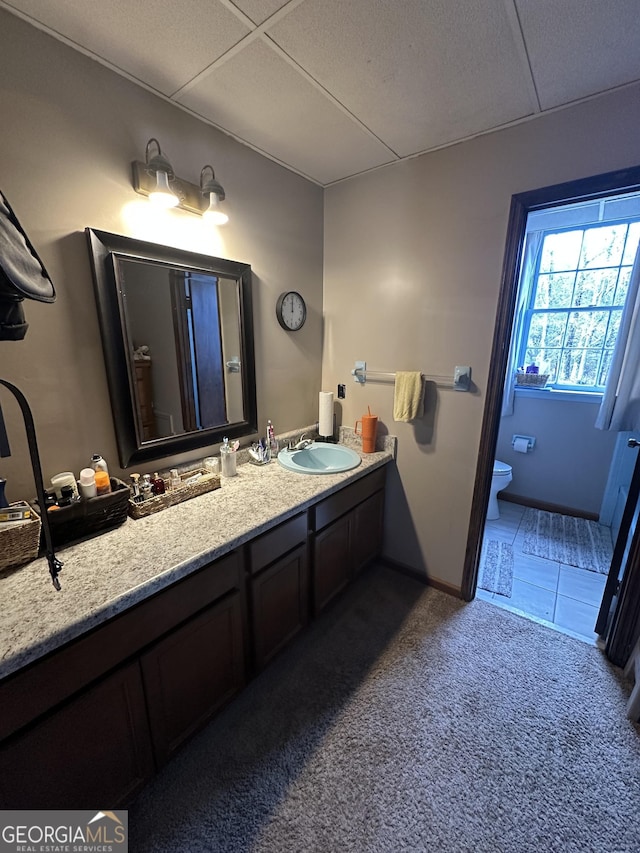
(406, 720)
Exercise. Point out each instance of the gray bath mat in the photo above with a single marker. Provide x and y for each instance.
(496, 567)
(565, 539)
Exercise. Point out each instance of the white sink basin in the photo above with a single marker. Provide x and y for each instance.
(320, 458)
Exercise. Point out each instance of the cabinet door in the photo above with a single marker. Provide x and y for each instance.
(279, 604)
(95, 749)
(367, 530)
(331, 561)
(191, 673)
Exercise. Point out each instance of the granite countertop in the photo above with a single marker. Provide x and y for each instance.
(106, 575)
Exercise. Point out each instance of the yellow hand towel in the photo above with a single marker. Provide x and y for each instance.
(408, 401)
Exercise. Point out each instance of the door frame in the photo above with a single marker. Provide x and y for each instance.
(584, 189)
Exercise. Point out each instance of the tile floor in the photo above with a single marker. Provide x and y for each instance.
(563, 597)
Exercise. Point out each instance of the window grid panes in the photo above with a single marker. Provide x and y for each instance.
(580, 286)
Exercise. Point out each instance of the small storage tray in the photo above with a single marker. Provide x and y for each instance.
(206, 483)
(89, 516)
(531, 380)
(19, 540)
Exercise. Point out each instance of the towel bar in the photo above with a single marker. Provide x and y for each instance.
(461, 380)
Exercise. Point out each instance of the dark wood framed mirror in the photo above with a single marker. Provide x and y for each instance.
(177, 335)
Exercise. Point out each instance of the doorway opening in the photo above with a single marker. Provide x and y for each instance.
(559, 327)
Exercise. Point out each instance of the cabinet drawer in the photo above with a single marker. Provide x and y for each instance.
(33, 691)
(272, 545)
(346, 499)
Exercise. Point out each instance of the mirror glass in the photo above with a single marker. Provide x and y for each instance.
(177, 335)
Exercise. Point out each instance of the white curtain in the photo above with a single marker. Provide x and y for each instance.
(620, 407)
(529, 258)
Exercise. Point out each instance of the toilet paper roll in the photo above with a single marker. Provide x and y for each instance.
(325, 417)
(521, 445)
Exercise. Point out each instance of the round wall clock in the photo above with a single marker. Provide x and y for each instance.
(291, 311)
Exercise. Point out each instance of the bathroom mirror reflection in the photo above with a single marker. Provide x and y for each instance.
(178, 341)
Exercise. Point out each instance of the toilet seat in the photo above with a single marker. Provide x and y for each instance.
(502, 476)
(501, 469)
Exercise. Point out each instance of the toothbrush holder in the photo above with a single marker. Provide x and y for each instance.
(228, 458)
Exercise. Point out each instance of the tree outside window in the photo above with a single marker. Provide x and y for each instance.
(581, 283)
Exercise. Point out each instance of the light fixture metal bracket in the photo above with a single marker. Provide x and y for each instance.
(189, 195)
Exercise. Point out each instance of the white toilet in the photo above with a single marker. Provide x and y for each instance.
(502, 476)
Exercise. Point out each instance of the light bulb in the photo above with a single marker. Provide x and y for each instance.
(163, 196)
(213, 212)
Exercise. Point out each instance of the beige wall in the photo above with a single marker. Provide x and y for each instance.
(412, 261)
(69, 130)
(569, 464)
(413, 257)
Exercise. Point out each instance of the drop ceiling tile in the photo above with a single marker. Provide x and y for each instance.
(156, 41)
(257, 96)
(577, 49)
(259, 10)
(417, 74)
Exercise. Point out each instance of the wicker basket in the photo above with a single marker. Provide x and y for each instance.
(90, 516)
(206, 483)
(531, 380)
(19, 540)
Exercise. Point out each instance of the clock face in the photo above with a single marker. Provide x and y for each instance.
(291, 311)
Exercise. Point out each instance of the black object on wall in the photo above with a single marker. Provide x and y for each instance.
(23, 276)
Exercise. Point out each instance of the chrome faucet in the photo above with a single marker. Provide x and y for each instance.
(302, 443)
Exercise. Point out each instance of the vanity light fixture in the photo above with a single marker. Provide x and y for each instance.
(156, 179)
(213, 189)
(158, 165)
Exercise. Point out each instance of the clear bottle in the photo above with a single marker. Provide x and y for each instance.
(228, 458)
(134, 488)
(174, 479)
(146, 487)
(272, 442)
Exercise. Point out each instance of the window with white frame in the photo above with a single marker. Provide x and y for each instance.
(578, 292)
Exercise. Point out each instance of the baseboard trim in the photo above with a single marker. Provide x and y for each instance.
(548, 507)
(403, 569)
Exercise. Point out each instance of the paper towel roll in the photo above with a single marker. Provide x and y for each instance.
(521, 445)
(325, 418)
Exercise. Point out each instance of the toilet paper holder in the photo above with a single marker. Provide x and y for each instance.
(521, 438)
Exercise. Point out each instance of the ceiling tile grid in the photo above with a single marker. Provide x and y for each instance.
(417, 74)
(259, 10)
(148, 39)
(579, 48)
(261, 99)
(331, 88)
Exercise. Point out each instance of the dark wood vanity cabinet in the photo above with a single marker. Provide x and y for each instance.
(348, 534)
(332, 569)
(192, 672)
(91, 722)
(278, 571)
(367, 526)
(93, 749)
